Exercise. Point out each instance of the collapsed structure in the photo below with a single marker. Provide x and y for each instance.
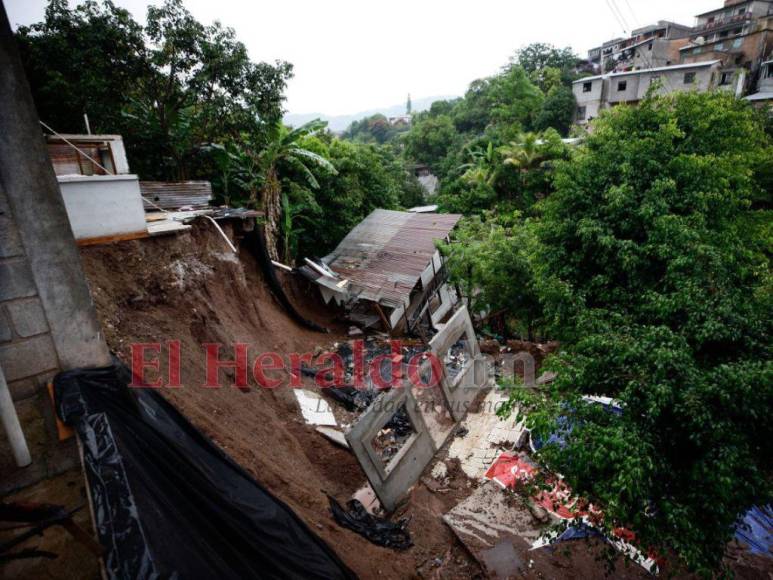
(388, 270)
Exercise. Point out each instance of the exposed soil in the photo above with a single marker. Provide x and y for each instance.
(192, 288)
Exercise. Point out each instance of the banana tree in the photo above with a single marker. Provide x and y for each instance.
(260, 168)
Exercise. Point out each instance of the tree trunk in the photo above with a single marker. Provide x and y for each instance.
(272, 206)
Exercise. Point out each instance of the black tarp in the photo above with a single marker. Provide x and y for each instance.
(167, 502)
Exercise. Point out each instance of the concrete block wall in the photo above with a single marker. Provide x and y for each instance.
(29, 361)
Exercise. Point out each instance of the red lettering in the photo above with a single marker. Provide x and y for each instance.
(275, 363)
(139, 364)
(336, 371)
(214, 364)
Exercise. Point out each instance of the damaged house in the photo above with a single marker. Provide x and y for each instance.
(388, 270)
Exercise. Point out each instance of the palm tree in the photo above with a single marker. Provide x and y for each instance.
(526, 153)
(483, 167)
(261, 172)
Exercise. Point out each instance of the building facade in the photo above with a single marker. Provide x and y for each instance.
(594, 94)
(729, 48)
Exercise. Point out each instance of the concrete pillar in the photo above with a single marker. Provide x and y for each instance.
(36, 205)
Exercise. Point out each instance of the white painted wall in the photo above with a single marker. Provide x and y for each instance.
(103, 205)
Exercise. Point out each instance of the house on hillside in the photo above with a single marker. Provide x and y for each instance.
(387, 271)
(600, 92)
(105, 201)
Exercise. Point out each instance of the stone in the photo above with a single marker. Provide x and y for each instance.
(27, 317)
(16, 280)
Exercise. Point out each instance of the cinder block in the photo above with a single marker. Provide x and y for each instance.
(16, 280)
(5, 327)
(27, 317)
(26, 358)
(23, 388)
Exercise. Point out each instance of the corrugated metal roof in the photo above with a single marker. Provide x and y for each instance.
(176, 194)
(384, 255)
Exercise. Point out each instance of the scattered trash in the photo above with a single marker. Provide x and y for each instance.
(367, 497)
(756, 530)
(440, 470)
(377, 530)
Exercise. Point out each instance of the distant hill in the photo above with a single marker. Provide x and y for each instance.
(339, 123)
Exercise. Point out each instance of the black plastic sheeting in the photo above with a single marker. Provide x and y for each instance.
(257, 245)
(167, 502)
(380, 531)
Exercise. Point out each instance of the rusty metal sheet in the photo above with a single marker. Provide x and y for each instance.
(176, 194)
(384, 255)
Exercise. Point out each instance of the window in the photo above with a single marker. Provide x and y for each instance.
(741, 11)
(689, 78)
(737, 31)
(737, 43)
(769, 72)
(724, 33)
(622, 85)
(580, 113)
(719, 46)
(696, 50)
(710, 20)
(725, 78)
(586, 87)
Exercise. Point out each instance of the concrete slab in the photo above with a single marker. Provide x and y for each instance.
(494, 526)
(315, 409)
(486, 435)
(333, 435)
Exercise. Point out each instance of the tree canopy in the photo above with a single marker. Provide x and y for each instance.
(653, 270)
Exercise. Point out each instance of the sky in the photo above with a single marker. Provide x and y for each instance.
(354, 55)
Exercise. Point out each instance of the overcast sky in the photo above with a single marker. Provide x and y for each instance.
(353, 55)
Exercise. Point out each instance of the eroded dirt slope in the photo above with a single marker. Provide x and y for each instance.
(192, 288)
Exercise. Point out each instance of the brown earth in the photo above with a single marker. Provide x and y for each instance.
(192, 288)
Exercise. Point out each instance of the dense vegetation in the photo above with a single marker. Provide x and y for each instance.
(190, 104)
(644, 249)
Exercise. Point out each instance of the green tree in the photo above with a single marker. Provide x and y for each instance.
(654, 272)
(262, 168)
(540, 56)
(169, 88)
(557, 111)
(82, 61)
(490, 259)
(430, 140)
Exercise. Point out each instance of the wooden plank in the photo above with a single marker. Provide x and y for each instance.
(63, 431)
(111, 239)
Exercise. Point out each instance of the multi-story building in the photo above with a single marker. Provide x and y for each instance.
(600, 92)
(647, 47)
(728, 49)
(738, 34)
